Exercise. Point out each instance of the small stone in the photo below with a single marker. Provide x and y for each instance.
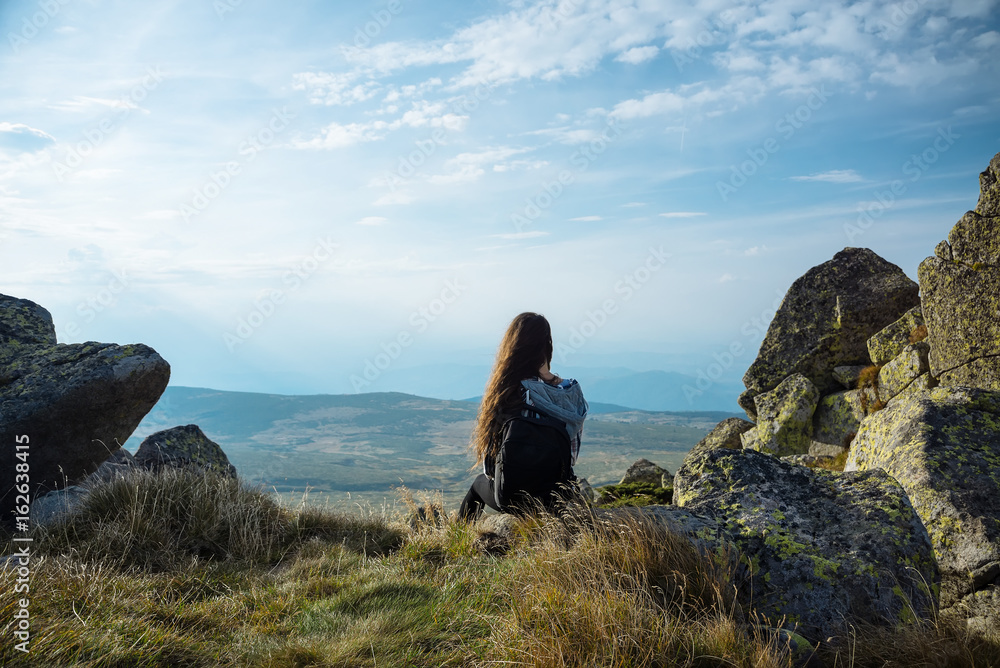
(183, 447)
(644, 470)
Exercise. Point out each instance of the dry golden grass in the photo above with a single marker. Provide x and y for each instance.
(185, 570)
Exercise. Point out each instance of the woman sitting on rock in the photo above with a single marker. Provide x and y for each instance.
(521, 379)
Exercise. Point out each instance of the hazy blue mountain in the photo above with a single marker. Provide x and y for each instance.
(646, 390)
(360, 446)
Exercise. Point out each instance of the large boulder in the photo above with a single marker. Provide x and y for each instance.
(75, 404)
(960, 294)
(826, 319)
(943, 446)
(825, 550)
(185, 447)
(784, 418)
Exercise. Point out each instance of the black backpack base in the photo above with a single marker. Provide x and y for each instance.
(533, 465)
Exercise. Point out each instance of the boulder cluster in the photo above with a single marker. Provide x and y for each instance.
(866, 484)
(72, 406)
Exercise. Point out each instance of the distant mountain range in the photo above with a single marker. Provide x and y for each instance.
(644, 390)
(359, 446)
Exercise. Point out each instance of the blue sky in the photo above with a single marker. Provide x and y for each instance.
(277, 195)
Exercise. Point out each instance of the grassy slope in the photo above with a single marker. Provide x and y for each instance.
(179, 569)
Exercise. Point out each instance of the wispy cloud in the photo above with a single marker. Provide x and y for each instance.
(832, 176)
(587, 219)
(682, 214)
(373, 221)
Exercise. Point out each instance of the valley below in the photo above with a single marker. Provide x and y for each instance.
(359, 450)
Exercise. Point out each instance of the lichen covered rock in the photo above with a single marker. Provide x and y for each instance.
(961, 305)
(76, 403)
(183, 447)
(827, 317)
(943, 446)
(848, 375)
(889, 342)
(989, 189)
(960, 294)
(23, 323)
(903, 369)
(726, 434)
(838, 417)
(784, 418)
(824, 549)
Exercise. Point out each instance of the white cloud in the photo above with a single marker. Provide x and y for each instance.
(335, 89)
(633, 204)
(389, 199)
(159, 214)
(755, 250)
(522, 235)
(988, 40)
(468, 167)
(336, 135)
(832, 176)
(682, 214)
(22, 138)
(82, 103)
(372, 221)
(587, 219)
(639, 54)
(725, 278)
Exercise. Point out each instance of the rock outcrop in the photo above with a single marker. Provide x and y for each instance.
(824, 550)
(184, 447)
(76, 403)
(943, 446)
(726, 435)
(826, 319)
(784, 418)
(960, 292)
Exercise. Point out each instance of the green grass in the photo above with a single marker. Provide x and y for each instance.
(634, 494)
(179, 569)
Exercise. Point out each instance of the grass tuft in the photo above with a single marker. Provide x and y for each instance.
(128, 581)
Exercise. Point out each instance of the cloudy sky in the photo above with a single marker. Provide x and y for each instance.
(276, 196)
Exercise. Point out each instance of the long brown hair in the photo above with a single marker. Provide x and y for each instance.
(525, 347)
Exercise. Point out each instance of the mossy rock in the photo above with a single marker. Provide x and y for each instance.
(962, 308)
(784, 418)
(634, 494)
(824, 550)
(826, 319)
(943, 446)
(838, 417)
(183, 447)
(23, 325)
(889, 342)
(76, 403)
(903, 369)
(989, 189)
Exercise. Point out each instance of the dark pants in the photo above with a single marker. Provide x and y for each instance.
(479, 494)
